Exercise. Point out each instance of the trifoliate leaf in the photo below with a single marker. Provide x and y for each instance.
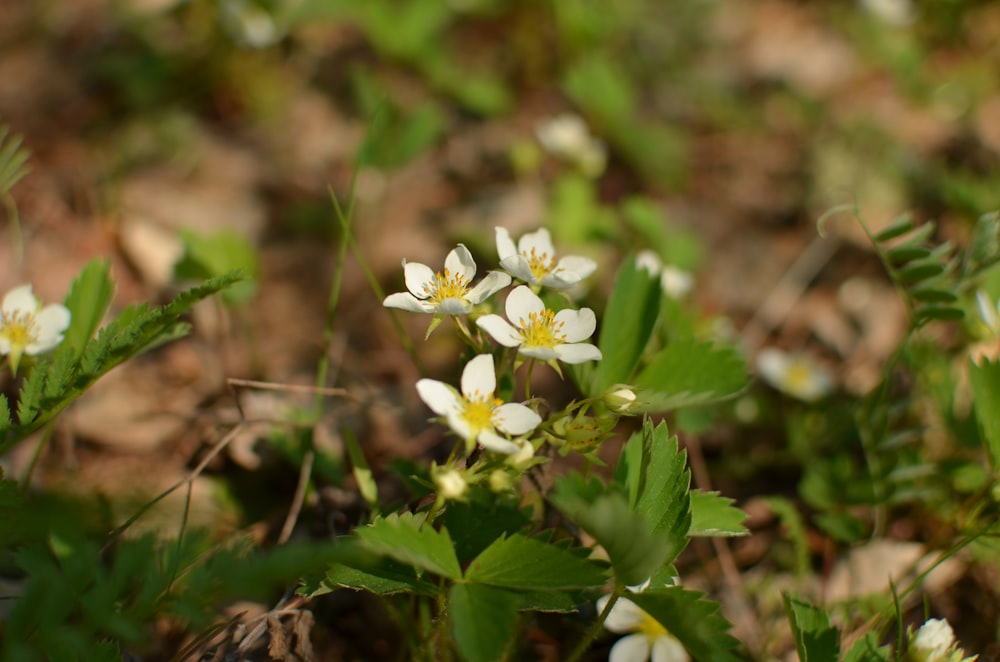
(693, 620)
(408, 540)
(482, 620)
(815, 639)
(520, 562)
(689, 372)
(713, 515)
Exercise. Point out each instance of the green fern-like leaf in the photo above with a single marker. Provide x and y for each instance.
(13, 158)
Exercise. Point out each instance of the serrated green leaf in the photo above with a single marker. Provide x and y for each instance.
(688, 372)
(211, 256)
(563, 602)
(635, 551)
(88, 299)
(931, 295)
(482, 620)
(897, 228)
(867, 649)
(481, 519)
(713, 515)
(985, 380)
(627, 325)
(694, 621)
(524, 563)
(384, 577)
(815, 639)
(406, 539)
(12, 160)
(984, 245)
(919, 271)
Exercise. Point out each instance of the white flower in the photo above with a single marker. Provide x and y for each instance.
(475, 414)
(533, 260)
(649, 640)
(541, 333)
(446, 292)
(674, 281)
(796, 375)
(567, 137)
(26, 327)
(935, 642)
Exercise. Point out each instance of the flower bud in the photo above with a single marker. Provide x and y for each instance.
(501, 481)
(619, 398)
(450, 484)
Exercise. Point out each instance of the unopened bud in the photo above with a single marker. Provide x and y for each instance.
(620, 398)
(450, 484)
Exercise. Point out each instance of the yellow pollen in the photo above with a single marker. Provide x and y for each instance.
(18, 329)
(651, 628)
(798, 376)
(542, 330)
(447, 285)
(541, 265)
(478, 412)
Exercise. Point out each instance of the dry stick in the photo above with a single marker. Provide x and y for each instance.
(787, 291)
(300, 494)
(290, 388)
(726, 562)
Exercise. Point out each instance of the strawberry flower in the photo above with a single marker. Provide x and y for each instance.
(28, 328)
(533, 260)
(447, 292)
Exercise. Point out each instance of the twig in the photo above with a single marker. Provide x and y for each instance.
(300, 494)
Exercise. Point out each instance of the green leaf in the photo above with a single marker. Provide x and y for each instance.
(867, 649)
(919, 271)
(904, 254)
(714, 516)
(520, 562)
(5, 420)
(815, 639)
(361, 471)
(482, 620)
(689, 372)
(474, 524)
(88, 299)
(12, 160)
(406, 539)
(696, 622)
(898, 228)
(383, 577)
(627, 325)
(931, 295)
(636, 552)
(984, 245)
(938, 313)
(211, 256)
(985, 380)
(658, 485)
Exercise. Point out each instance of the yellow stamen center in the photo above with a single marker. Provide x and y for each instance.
(799, 376)
(541, 265)
(18, 329)
(651, 628)
(542, 330)
(447, 285)
(478, 412)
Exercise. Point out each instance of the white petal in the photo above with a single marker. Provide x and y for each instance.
(578, 353)
(625, 616)
(461, 427)
(479, 376)
(4, 346)
(441, 398)
(772, 364)
(560, 280)
(459, 261)
(406, 301)
(988, 311)
(649, 261)
(514, 418)
(519, 267)
(577, 324)
(633, 648)
(454, 306)
(51, 322)
(488, 286)
(540, 240)
(494, 442)
(581, 267)
(521, 302)
(505, 245)
(20, 300)
(500, 329)
(666, 648)
(417, 276)
(540, 353)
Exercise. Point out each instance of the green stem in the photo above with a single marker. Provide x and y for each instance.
(527, 379)
(595, 627)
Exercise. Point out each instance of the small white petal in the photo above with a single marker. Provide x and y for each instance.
(500, 330)
(519, 267)
(505, 245)
(577, 265)
(459, 261)
(578, 353)
(539, 240)
(521, 303)
(676, 283)
(5, 346)
(454, 306)
(50, 324)
(625, 616)
(560, 280)
(577, 324)
(649, 261)
(20, 300)
(494, 442)
(514, 418)
(460, 426)
(417, 276)
(479, 376)
(772, 364)
(633, 648)
(406, 301)
(488, 286)
(540, 353)
(441, 398)
(667, 648)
